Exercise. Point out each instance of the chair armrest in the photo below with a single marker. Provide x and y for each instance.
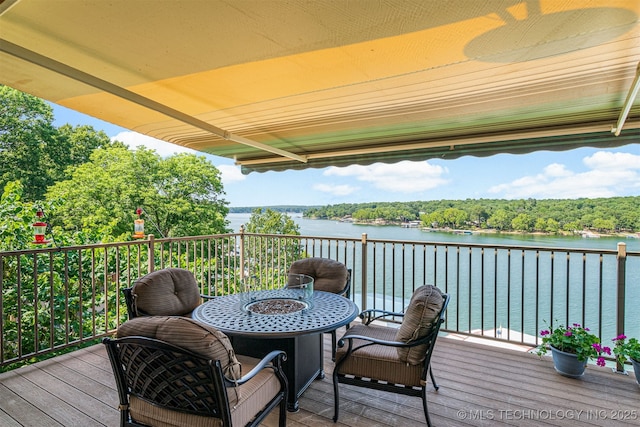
(369, 316)
(271, 360)
(207, 297)
(371, 341)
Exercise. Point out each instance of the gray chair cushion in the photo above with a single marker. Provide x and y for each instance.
(329, 275)
(424, 307)
(166, 292)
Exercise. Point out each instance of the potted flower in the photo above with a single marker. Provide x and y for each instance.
(571, 348)
(630, 350)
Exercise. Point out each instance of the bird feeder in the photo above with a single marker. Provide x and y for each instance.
(138, 226)
(39, 229)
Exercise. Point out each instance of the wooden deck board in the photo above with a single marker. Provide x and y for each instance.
(480, 385)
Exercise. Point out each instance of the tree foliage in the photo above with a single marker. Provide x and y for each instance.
(179, 195)
(35, 152)
(15, 218)
(268, 221)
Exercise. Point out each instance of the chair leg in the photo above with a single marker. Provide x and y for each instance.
(282, 419)
(336, 397)
(433, 380)
(424, 405)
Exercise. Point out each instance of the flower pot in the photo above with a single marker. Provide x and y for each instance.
(567, 364)
(636, 369)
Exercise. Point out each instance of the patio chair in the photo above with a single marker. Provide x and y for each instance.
(174, 371)
(392, 359)
(328, 276)
(166, 292)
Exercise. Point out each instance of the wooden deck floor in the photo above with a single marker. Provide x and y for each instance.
(480, 385)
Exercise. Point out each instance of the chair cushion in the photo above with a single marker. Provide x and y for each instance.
(378, 362)
(424, 308)
(329, 275)
(250, 398)
(166, 292)
(189, 334)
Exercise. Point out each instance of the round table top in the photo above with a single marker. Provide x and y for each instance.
(328, 312)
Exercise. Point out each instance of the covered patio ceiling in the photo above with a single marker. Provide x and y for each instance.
(278, 84)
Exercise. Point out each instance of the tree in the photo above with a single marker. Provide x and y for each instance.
(552, 226)
(16, 218)
(282, 251)
(455, 217)
(25, 131)
(271, 222)
(540, 224)
(73, 146)
(522, 222)
(35, 152)
(500, 220)
(179, 196)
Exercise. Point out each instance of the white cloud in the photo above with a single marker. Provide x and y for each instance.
(557, 170)
(230, 174)
(609, 175)
(404, 177)
(336, 190)
(164, 149)
(609, 160)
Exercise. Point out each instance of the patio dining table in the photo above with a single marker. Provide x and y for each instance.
(298, 333)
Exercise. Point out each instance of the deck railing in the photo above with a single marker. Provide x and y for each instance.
(53, 298)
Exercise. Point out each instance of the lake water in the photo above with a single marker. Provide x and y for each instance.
(330, 228)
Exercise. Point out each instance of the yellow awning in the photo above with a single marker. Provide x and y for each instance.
(278, 84)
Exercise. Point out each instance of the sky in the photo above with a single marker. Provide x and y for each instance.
(584, 172)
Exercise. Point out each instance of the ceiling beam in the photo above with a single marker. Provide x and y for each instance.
(631, 96)
(108, 87)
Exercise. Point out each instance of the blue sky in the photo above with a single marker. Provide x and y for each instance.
(584, 172)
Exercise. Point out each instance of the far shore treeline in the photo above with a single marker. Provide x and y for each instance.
(602, 215)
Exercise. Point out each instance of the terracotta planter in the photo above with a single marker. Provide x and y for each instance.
(567, 364)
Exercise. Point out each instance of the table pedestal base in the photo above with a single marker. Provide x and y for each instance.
(303, 364)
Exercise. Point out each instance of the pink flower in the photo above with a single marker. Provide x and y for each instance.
(620, 338)
(600, 361)
(544, 332)
(568, 334)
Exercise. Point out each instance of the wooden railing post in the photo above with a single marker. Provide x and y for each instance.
(363, 274)
(151, 257)
(620, 306)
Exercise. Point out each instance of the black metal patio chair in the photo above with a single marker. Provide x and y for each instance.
(392, 359)
(174, 371)
(329, 276)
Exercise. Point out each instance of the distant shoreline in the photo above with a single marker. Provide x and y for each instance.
(474, 230)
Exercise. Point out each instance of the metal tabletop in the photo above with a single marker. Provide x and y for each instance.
(328, 312)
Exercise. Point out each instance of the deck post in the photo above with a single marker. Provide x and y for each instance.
(241, 249)
(151, 258)
(620, 306)
(364, 272)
